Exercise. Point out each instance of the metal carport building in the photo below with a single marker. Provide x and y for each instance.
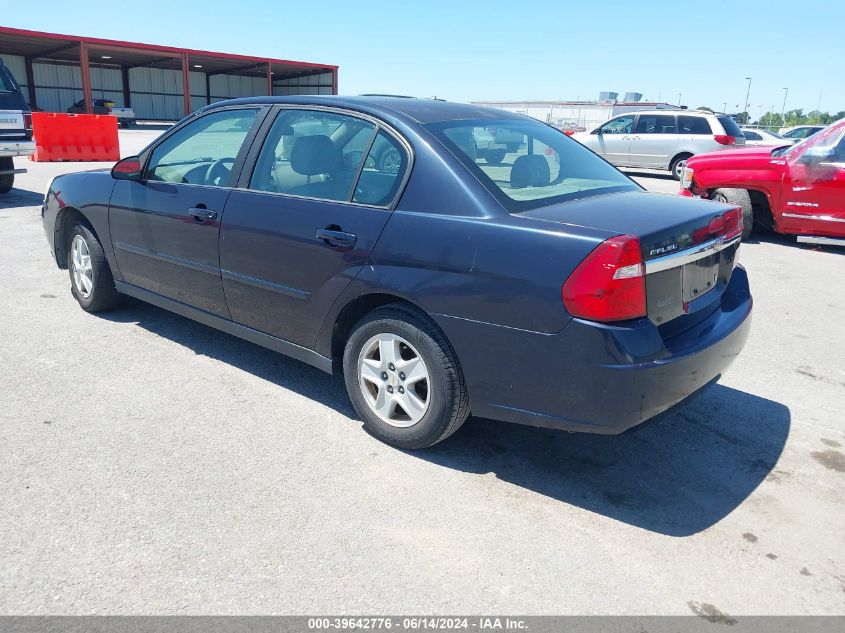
(157, 82)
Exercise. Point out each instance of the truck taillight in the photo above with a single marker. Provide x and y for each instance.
(724, 139)
(27, 124)
(609, 285)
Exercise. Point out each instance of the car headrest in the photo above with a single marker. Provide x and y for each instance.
(531, 170)
(317, 154)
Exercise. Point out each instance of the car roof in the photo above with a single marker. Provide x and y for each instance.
(409, 108)
(672, 111)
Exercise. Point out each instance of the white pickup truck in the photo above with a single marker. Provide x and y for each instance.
(125, 116)
(15, 128)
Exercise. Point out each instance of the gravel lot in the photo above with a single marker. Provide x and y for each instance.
(153, 465)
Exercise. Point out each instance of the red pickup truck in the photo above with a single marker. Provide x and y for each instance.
(797, 189)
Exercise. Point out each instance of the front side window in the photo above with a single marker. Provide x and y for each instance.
(619, 125)
(550, 167)
(656, 124)
(204, 151)
(312, 154)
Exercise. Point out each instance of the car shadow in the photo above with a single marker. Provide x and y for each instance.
(258, 361)
(20, 198)
(675, 475)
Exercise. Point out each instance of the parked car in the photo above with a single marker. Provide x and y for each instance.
(763, 138)
(661, 139)
(15, 128)
(125, 116)
(797, 189)
(553, 291)
(799, 132)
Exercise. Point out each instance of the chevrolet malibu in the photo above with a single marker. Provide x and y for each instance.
(548, 289)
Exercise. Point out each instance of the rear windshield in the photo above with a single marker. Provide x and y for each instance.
(526, 164)
(6, 83)
(731, 128)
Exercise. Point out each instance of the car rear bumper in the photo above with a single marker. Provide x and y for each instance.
(16, 148)
(598, 378)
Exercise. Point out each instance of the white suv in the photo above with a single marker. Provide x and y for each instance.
(661, 139)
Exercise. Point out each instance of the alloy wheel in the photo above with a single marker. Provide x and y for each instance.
(83, 271)
(394, 380)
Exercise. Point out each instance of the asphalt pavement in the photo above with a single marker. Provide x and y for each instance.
(154, 465)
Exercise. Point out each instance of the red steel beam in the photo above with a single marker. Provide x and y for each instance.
(85, 70)
(186, 83)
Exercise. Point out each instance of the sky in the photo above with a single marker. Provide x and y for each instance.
(466, 50)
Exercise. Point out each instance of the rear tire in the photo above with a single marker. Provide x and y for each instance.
(678, 164)
(383, 346)
(91, 281)
(7, 180)
(742, 199)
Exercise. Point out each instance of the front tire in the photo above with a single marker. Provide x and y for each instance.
(739, 198)
(403, 378)
(678, 164)
(91, 281)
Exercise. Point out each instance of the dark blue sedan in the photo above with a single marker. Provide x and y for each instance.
(442, 271)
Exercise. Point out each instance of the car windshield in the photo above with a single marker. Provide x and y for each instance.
(526, 164)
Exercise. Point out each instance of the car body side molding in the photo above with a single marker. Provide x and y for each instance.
(230, 327)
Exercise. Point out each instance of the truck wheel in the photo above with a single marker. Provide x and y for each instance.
(91, 281)
(678, 164)
(6, 180)
(740, 198)
(403, 378)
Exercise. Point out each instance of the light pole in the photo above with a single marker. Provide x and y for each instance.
(725, 107)
(679, 99)
(783, 109)
(747, 94)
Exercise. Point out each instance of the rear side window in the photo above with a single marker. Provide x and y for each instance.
(312, 154)
(731, 128)
(656, 124)
(383, 170)
(694, 125)
(752, 136)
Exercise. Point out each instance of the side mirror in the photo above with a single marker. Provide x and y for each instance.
(815, 155)
(596, 131)
(127, 169)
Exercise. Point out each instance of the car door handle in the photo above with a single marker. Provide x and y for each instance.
(201, 215)
(332, 237)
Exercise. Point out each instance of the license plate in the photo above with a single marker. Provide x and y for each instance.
(700, 277)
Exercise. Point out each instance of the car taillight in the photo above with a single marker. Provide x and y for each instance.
(724, 139)
(569, 132)
(27, 124)
(727, 226)
(609, 285)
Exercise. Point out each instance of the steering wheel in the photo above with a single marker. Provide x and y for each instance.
(218, 171)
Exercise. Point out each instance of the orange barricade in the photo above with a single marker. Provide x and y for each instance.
(72, 137)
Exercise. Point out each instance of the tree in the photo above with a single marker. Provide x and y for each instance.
(706, 109)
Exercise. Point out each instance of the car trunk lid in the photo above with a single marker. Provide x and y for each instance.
(688, 246)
